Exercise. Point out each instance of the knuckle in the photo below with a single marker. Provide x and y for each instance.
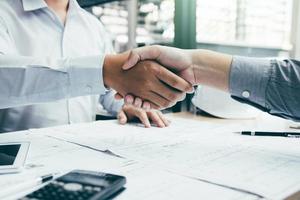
(154, 68)
(188, 87)
(156, 48)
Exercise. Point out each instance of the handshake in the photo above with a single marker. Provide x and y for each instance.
(161, 76)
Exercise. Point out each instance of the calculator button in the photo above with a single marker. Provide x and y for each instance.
(88, 188)
(72, 186)
(60, 183)
(98, 189)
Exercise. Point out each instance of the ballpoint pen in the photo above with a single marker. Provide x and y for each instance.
(27, 185)
(271, 133)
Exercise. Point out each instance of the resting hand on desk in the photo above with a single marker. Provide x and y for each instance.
(131, 112)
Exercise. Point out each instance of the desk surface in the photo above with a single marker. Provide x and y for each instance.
(59, 149)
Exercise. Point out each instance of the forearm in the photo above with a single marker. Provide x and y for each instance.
(211, 68)
(29, 80)
(271, 85)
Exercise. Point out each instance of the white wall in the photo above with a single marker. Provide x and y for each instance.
(296, 30)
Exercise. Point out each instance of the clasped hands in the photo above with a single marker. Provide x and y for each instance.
(153, 77)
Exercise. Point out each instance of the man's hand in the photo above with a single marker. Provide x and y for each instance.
(178, 60)
(195, 66)
(148, 80)
(131, 113)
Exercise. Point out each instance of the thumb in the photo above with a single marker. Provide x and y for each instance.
(132, 60)
(142, 53)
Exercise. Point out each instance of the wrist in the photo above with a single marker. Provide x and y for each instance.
(107, 71)
(112, 69)
(197, 65)
(212, 68)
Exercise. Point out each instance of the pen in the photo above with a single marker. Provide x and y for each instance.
(27, 185)
(274, 134)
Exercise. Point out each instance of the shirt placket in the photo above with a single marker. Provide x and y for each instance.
(65, 53)
(64, 48)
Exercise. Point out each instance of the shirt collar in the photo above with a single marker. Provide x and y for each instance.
(74, 6)
(31, 5)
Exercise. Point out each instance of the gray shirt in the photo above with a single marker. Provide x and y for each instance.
(272, 85)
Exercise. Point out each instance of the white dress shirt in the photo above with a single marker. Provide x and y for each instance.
(43, 60)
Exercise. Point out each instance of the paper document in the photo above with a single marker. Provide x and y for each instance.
(262, 166)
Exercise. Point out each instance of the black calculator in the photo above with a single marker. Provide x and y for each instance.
(80, 185)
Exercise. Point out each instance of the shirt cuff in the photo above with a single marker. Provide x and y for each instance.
(249, 78)
(86, 75)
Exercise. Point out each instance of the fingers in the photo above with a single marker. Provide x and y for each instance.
(129, 99)
(118, 96)
(138, 102)
(158, 118)
(160, 102)
(129, 112)
(142, 115)
(173, 80)
(163, 118)
(146, 105)
(122, 118)
(157, 101)
(140, 54)
(169, 93)
(155, 118)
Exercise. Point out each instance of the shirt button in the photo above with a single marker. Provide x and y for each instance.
(88, 88)
(246, 94)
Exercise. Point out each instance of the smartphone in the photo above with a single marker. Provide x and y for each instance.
(80, 185)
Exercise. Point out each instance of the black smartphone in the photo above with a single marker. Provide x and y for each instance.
(80, 185)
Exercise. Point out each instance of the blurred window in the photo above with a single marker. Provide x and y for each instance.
(155, 21)
(249, 22)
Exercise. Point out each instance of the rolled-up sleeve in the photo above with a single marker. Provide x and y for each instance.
(272, 85)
